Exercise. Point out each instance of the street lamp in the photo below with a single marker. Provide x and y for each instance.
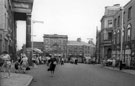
(32, 22)
(121, 47)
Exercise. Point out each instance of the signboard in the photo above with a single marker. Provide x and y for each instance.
(21, 5)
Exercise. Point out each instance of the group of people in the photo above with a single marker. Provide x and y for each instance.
(6, 64)
(20, 64)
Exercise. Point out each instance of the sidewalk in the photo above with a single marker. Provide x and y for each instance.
(130, 71)
(15, 79)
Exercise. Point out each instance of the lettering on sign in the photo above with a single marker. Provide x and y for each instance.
(21, 5)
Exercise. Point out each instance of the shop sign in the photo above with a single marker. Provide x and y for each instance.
(21, 5)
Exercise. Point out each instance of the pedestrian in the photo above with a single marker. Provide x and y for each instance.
(76, 61)
(7, 63)
(62, 61)
(52, 64)
(120, 65)
(24, 63)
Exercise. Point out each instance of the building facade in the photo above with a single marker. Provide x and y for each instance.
(39, 45)
(55, 44)
(127, 31)
(80, 49)
(107, 31)
(11, 11)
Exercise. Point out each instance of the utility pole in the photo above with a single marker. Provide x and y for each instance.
(121, 47)
(33, 22)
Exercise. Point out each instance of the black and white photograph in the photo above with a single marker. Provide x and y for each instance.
(67, 42)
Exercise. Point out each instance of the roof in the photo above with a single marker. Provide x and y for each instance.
(79, 43)
(54, 36)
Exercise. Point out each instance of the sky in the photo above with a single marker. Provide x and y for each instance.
(75, 18)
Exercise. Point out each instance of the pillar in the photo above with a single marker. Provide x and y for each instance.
(28, 31)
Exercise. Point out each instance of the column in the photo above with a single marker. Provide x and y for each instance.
(28, 31)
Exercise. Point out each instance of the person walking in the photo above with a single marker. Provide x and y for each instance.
(24, 63)
(52, 64)
(7, 63)
(120, 65)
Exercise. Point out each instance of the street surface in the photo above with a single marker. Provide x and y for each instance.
(80, 75)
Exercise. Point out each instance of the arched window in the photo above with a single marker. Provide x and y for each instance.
(128, 32)
(118, 37)
(114, 37)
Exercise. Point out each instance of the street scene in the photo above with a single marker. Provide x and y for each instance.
(67, 43)
(80, 75)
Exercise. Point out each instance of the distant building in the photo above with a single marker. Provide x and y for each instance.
(39, 45)
(80, 49)
(98, 42)
(55, 44)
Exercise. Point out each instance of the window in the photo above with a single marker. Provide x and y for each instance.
(115, 22)
(109, 36)
(110, 23)
(114, 34)
(118, 37)
(128, 32)
(118, 21)
(129, 13)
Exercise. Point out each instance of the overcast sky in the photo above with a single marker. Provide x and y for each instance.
(75, 18)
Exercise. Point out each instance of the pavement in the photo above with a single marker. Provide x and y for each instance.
(15, 79)
(129, 71)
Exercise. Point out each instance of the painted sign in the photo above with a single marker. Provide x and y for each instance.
(21, 5)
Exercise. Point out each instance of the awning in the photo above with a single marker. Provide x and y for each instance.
(37, 50)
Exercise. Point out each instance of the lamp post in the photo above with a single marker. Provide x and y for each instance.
(121, 47)
(33, 22)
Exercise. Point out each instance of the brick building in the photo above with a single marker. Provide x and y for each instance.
(39, 45)
(80, 49)
(128, 43)
(55, 44)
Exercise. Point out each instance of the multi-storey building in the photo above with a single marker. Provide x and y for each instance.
(55, 44)
(39, 45)
(107, 30)
(128, 41)
(12, 11)
(80, 49)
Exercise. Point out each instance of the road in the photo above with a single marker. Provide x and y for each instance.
(80, 75)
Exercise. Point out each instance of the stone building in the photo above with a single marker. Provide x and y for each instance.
(11, 11)
(80, 49)
(39, 45)
(107, 31)
(55, 44)
(128, 34)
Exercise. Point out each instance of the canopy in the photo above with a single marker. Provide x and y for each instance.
(37, 50)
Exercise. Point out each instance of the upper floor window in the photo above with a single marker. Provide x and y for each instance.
(118, 21)
(115, 20)
(129, 13)
(118, 37)
(109, 36)
(128, 32)
(110, 23)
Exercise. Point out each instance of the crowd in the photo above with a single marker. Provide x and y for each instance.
(21, 65)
